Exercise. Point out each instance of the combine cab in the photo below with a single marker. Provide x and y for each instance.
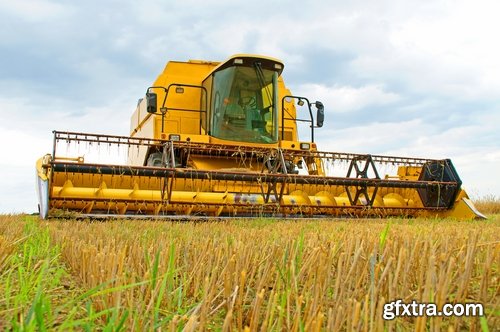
(221, 139)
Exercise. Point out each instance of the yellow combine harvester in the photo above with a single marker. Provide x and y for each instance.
(221, 139)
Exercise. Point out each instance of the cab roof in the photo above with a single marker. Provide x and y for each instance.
(248, 60)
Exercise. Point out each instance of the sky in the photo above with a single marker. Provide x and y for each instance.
(405, 78)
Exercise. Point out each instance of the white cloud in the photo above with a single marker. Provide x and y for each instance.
(453, 54)
(18, 190)
(347, 98)
(34, 10)
(374, 138)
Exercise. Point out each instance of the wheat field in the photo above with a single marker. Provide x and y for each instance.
(235, 275)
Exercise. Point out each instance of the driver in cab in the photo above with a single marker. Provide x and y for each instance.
(243, 121)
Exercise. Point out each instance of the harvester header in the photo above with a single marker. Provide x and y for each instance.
(214, 139)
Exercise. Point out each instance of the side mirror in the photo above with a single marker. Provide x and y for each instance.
(320, 115)
(151, 102)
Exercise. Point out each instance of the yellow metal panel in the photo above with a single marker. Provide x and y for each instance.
(409, 172)
(192, 73)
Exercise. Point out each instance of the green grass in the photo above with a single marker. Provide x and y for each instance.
(29, 280)
(36, 291)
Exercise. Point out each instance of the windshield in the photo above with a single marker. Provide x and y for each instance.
(243, 105)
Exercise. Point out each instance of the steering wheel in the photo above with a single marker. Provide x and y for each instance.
(248, 102)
